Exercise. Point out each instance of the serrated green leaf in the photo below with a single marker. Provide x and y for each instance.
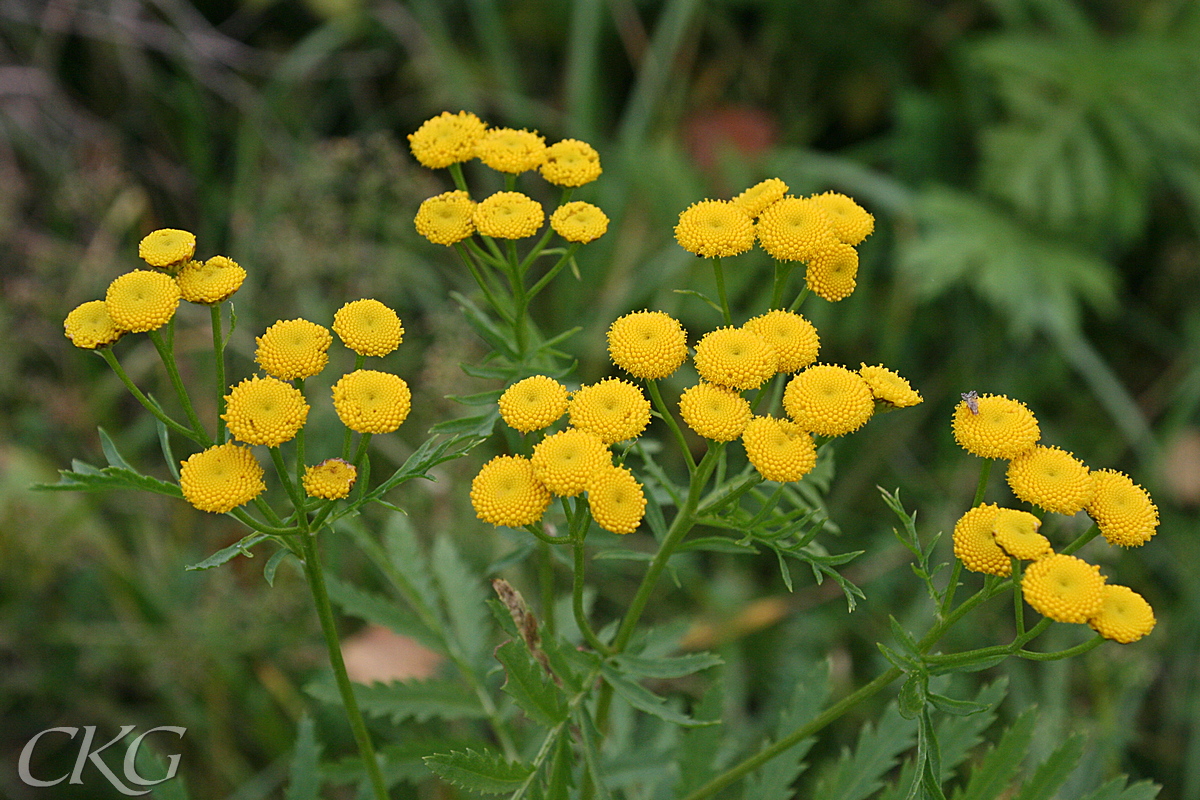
(643, 699)
(480, 425)
(996, 770)
(558, 780)
(480, 399)
(478, 771)
(464, 596)
(717, 544)
(527, 683)
(150, 765)
(859, 773)
(1052, 773)
(86, 478)
(1117, 790)
(665, 668)
(699, 755)
(958, 708)
(111, 454)
(403, 700)
(773, 781)
(590, 740)
(381, 610)
(239, 548)
(304, 779)
(487, 330)
(911, 700)
(908, 644)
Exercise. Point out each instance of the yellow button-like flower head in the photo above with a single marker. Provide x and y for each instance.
(889, 388)
(1063, 588)
(368, 327)
(1052, 479)
(616, 499)
(210, 282)
(832, 273)
(1016, 533)
(295, 348)
(446, 218)
(166, 247)
(791, 336)
(851, 222)
(794, 229)
(758, 197)
(332, 479)
(141, 300)
(974, 544)
(578, 221)
(446, 139)
(647, 344)
(265, 411)
(1002, 428)
(780, 450)
(829, 400)
(512, 151)
(90, 327)
(714, 412)
(221, 478)
(369, 401)
(533, 403)
(1123, 510)
(735, 358)
(571, 163)
(613, 409)
(509, 215)
(714, 228)
(565, 461)
(506, 492)
(1124, 615)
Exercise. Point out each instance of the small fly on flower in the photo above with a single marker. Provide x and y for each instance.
(971, 398)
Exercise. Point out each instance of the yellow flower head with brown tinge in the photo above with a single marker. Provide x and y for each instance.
(761, 195)
(89, 326)
(141, 300)
(1016, 532)
(294, 348)
(446, 139)
(506, 492)
(997, 428)
(851, 222)
(1063, 588)
(794, 229)
(168, 246)
(779, 449)
(511, 151)
(616, 499)
(735, 358)
(647, 344)
(578, 221)
(714, 228)
(368, 327)
(533, 403)
(332, 479)
(1124, 615)
(888, 387)
(265, 411)
(791, 336)
(210, 282)
(446, 218)
(509, 215)
(221, 478)
(829, 400)
(833, 272)
(974, 544)
(613, 409)
(565, 461)
(714, 412)
(571, 163)
(369, 401)
(1050, 478)
(1121, 509)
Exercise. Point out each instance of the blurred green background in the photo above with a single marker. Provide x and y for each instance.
(1034, 169)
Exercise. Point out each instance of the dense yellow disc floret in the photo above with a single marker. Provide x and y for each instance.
(578, 221)
(1124, 615)
(793, 338)
(714, 228)
(369, 401)
(332, 479)
(780, 450)
(446, 139)
(510, 150)
(210, 282)
(446, 218)
(735, 358)
(833, 272)
(565, 461)
(613, 409)
(1016, 533)
(571, 163)
(294, 348)
(714, 412)
(167, 246)
(1051, 478)
(647, 344)
(1063, 588)
(1002, 428)
(141, 300)
(368, 327)
(533, 403)
(221, 478)
(794, 229)
(829, 400)
(1121, 509)
(761, 195)
(265, 411)
(974, 544)
(89, 326)
(506, 492)
(509, 215)
(616, 499)
(851, 222)
(888, 387)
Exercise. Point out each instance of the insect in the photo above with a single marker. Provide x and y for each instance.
(971, 398)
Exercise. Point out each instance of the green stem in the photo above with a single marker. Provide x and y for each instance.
(289, 486)
(166, 353)
(484, 283)
(661, 406)
(536, 530)
(724, 495)
(579, 522)
(111, 359)
(1078, 649)
(362, 463)
(557, 268)
(1018, 605)
(219, 359)
(535, 252)
(546, 581)
(495, 258)
(300, 465)
(799, 299)
(720, 276)
(242, 516)
(985, 472)
(1083, 539)
(456, 174)
(782, 272)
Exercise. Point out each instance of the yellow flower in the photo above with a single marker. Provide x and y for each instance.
(714, 412)
(509, 215)
(974, 544)
(616, 499)
(292, 349)
(332, 479)
(368, 327)
(735, 358)
(221, 478)
(369, 401)
(647, 344)
(265, 411)
(571, 163)
(613, 409)
(780, 450)
(714, 228)
(794, 229)
(1123, 510)
(1003, 428)
(828, 400)
(210, 282)
(1052, 479)
(761, 195)
(851, 222)
(1063, 588)
(511, 151)
(446, 139)
(1016, 533)
(446, 218)
(141, 300)
(533, 403)
(167, 246)
(578, 221)
(506, 492)
(831, 273)
(1124, 615)
(791, 336)
(565, 461)
(90, 327)
(888, 387)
